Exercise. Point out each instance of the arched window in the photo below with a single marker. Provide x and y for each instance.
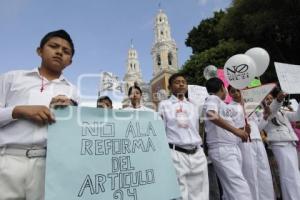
(158, 60)
(170, 58)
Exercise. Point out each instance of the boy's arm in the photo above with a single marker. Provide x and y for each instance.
(277, 103)
(38, 114)
(294, 116)
(217, 120)
(41, 115)
(5, 112)
(161, 111)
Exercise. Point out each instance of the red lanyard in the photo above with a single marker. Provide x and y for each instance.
(43, 85)
(180, 107)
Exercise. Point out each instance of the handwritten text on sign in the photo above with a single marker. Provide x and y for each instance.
(106, 155)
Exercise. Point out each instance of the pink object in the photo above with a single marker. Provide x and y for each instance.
(297, 131)
(220, 74)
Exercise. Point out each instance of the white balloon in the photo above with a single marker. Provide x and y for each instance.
(261, 59)
(210, 71)
(239, 70)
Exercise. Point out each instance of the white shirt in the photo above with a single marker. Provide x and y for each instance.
(282, 133)
(23, 87)
(216, 135)
(238, 116)
(181, 136)
(141, 108)
(239, 120)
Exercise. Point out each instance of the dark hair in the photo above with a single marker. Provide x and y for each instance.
(174, 76)
(104, 98)
(214, 85)
(135, 86)
(229, 88)
(59, 33)
(275, 91)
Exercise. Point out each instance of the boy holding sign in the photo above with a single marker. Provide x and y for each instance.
(255, 165)
(25, 97)
(222, 141)
(182, 127)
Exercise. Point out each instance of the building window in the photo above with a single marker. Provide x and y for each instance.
(170, 58)
(158, 60)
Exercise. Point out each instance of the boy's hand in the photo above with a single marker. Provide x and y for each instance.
(248, 129)
(38, 114)
(243, 135)
(281, 95)
(60, 101)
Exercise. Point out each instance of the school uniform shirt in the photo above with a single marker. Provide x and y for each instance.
(238, 117)
(216, 135)
(141, 108)
(282, 133)
(27, 87)
(181, 122)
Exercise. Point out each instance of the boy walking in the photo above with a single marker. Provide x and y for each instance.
(255, 167)
(182, 127)
(25, 96)
(222, 141)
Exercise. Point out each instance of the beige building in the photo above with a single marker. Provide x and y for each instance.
(164, 56)
(165, 63)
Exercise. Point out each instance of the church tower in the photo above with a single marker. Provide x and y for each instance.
(164, 56)
(133, 71)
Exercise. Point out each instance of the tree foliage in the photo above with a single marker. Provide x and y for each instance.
(270, 24)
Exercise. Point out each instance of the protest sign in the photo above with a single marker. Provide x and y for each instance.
(289, 77)
(108, 154)
(254, 96)
(197, 94)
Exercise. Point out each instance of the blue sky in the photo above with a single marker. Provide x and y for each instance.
(101, 30)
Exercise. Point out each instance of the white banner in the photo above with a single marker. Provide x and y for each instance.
(110, 82)
(254, 96)
(289, 77)
(197, 95)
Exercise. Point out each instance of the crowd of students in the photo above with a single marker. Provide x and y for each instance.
(233, 139)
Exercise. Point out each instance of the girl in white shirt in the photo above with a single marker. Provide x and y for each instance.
(255, 165)
(135, 95)
(282, 140)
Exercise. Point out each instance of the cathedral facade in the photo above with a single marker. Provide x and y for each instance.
(165, 63)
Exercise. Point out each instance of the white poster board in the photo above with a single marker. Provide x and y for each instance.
(254, 96)
(197, 95)
(289, 77)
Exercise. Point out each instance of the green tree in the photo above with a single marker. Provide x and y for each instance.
(270, 24)
(205, 35)
(217, 55)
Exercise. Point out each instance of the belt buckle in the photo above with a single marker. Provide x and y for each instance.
(27, 154)
(193, 151)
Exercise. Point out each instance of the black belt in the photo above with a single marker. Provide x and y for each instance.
(187, 151)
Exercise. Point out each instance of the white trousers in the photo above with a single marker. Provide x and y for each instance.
(256, 170)
(298, 152)
(287, 161)
(21, 178)
(192, 174)
(227, 161)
